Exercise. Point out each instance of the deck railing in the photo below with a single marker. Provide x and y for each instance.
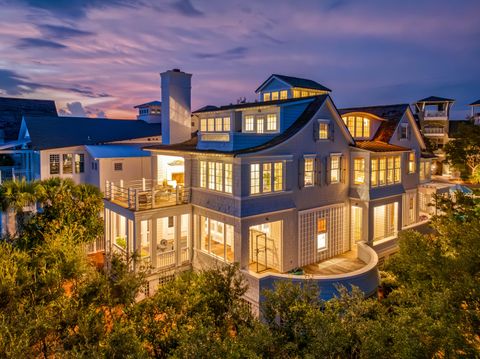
(141, 195)
(435, 113)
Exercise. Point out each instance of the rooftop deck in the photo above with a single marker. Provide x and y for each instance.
(146, 194)
(343, 263)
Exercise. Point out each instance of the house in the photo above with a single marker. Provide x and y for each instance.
(150, 112)
(289, 187)
(11, 112)
(475, 112)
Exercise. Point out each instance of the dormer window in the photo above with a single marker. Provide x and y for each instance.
(323, 129)
(358, 126)
(283, 95)
(272, 122)
(274, 95)
(218, 124)
(261, 123)
(249, 123)
(266, 96)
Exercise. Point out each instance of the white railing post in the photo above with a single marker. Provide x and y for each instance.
(136, 199)
(129, 197)
(112, 191)
(143, 184)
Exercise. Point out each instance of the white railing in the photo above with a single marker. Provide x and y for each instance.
(434, 130)
(166, 259)
(435, 113)
(146, 195)
(97, 245)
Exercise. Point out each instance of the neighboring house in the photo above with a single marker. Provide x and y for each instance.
(11, 112)
(475, 112)
(150, 112)
(274, 185)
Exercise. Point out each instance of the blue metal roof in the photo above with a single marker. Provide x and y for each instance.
(116, 151)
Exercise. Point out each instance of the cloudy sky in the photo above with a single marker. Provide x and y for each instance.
(102, 57)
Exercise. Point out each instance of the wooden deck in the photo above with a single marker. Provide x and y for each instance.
(343, 263)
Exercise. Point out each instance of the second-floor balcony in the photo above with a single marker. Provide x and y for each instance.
(146, 194)
(428, 114)
(434, 131)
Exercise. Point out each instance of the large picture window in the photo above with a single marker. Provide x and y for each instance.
(216, 176)
(216, 238)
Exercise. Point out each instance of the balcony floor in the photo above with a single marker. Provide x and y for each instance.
(343, 263)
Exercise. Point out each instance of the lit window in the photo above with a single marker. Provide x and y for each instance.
(359, 171)
(366, 127)
(283, 95)
(219, 176)
(296, 93)
(323, 130)
(382, 163)
(309, 171)
(321, 233)
(79, 163)
(271, 122)
(278, 176)
(304, 93)
(203, 174)
(218, 124)
(54, 164)
(274, 95)
(411, 162)
(211, 124)
(390, 170)
(397, 170)
(211, 175)
(203, 125)
(266, 96)
(267, 177)
(374, 172)
(254, 178)
(249, 124)
(260, 123)
(334, 169)
(226, 124)
(67, 163)
(358, 127)
(118, 166)
(351, 125)
(228, 177)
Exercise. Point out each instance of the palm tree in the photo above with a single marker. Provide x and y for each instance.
(16, 200)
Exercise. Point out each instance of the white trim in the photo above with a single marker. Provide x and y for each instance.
(268, 214)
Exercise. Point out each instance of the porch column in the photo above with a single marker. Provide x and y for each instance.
(178, 249)
(242, 239)
(153, 243)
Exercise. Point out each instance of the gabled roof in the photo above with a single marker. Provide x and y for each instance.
(56, 132)
(476, 103)
(391, 113)
(12, 110)
(295, 82)
(302, 120)
(148, 104)
(378, 146)
(241, 106)
(435, 99)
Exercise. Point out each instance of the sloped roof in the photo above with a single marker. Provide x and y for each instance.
(391, 113)
(147, 104)
(240, 106)
(302, 120)
(56, 132)
(296, 82)
(116, 151)
(476, 103)
(378, 146)
(436, 99)
(12, 110)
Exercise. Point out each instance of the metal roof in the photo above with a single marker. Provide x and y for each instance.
(55, 132)
(435, 99)
(116, 151)
(296, 82)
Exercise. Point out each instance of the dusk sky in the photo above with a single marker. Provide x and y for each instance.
(102, 57)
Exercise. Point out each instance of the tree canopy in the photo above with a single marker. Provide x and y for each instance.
(463, 152)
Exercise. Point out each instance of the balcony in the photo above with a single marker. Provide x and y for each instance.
(146, 194)
(429, 114)
(434, 131)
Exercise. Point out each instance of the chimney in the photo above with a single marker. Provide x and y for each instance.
(176, 108)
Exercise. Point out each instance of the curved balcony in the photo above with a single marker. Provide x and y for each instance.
(361, 272)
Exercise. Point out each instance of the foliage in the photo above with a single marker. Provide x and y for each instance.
(463, 152)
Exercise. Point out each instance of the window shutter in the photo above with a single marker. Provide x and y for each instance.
(318, 171)
(343, 169)
(301, 172)
(316, 129)
(327, 170)
(409, 132)
(331, 126)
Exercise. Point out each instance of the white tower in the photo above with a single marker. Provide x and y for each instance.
(176, 106)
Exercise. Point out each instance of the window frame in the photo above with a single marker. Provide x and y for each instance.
(412, 168)
(276, 177)
(57, 161)
(118, 166)
(309, 174)
(337, 170)
(79, 164)
(359, 170)
(324, 134)
(66, 158)
(321, 229)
